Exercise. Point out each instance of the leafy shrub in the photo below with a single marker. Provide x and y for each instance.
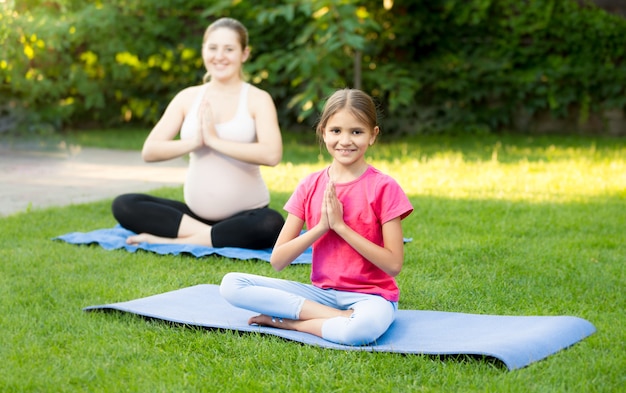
(471, 65)
(80, 62)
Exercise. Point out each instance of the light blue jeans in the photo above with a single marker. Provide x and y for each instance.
(279, 298)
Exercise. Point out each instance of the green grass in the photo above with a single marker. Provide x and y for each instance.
(502, 224)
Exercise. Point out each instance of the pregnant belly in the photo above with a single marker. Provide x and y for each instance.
(218, 200)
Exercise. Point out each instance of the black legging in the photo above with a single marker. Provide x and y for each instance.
(142, 213)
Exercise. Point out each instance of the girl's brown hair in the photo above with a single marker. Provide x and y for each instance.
(359, 103)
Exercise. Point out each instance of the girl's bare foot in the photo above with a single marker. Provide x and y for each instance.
(265, 320)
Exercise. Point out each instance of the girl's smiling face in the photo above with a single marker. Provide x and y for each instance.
(223, 55)
(347, 138)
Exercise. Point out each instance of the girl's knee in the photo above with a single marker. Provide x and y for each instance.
(352, 331)
(231, 282)
(368, 322)
(235, 287)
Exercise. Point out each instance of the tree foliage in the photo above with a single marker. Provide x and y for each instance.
(431, 65)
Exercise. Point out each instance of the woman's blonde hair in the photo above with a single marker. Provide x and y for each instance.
(228, 23)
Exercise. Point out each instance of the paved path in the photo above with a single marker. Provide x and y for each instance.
(34, 178)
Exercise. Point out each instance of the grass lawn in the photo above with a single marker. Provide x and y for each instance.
(503, 224)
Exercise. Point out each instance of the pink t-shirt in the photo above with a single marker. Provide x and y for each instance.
(368, 202)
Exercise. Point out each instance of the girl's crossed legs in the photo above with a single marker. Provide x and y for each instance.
(349, 318)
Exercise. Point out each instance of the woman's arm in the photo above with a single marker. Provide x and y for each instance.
(160, 144)
(268, 149)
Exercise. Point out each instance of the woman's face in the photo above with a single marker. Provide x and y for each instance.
(223, 55)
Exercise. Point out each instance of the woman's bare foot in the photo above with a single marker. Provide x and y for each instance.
(147, 238)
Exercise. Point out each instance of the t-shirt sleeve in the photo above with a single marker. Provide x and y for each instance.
(295, 203)
(394, 202)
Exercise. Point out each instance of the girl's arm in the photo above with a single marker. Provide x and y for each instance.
(267, 150)
(160, 144)
(290, 243)
(388, 258)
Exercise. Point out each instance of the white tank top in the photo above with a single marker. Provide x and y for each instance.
(218, 186)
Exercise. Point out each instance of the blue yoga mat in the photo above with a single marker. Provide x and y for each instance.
(115, 238)
(516, 341)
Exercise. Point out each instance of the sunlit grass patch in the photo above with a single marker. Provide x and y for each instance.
(489, 169)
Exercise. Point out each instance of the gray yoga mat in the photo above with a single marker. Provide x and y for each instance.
(516, 341)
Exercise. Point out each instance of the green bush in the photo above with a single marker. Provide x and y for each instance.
(71, 63)
(469, 65)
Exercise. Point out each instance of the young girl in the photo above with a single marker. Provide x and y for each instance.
(229, 128)
(353, 215)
